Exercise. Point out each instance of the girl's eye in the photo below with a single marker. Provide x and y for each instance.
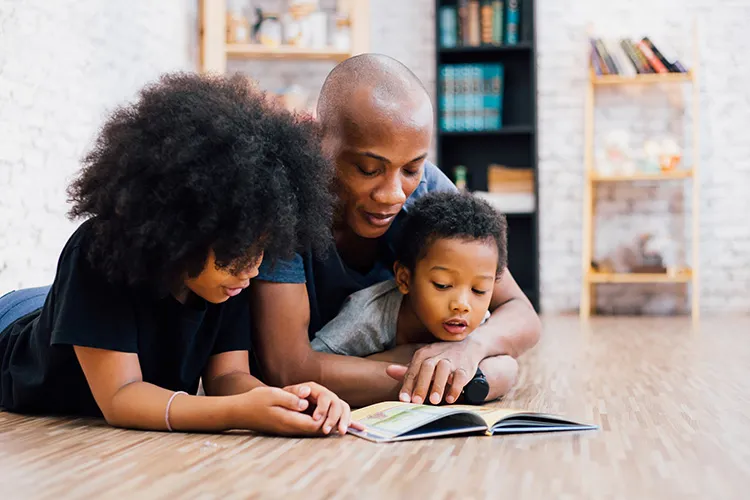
(366, 172)
(440, 286)
(479, 292)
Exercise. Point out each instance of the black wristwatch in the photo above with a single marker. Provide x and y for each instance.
(475, 392)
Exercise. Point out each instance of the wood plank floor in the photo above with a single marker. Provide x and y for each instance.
(673, 403)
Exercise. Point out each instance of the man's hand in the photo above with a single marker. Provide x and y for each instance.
(436, 366)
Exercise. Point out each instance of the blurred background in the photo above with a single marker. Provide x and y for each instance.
(612, 134)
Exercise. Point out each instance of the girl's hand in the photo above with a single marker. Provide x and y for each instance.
(330, 411)
(282, 411)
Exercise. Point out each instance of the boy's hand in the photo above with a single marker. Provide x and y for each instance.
(436, 366)
(330, 411)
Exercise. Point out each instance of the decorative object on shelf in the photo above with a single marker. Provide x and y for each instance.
(267, 29)
(613, 158)
(238, 27)
(342, 36)
(502, 179)
(459, 179)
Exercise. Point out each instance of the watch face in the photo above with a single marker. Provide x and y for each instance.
(476, 391)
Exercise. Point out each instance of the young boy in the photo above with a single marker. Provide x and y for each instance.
(453, 248)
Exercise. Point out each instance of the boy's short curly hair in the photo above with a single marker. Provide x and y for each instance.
(452, 215)
(201, 163)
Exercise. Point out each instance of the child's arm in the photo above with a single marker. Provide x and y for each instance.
(127, 401)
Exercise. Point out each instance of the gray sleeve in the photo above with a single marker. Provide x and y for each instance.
(362, 327)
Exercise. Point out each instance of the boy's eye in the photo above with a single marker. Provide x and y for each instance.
(365, 172)
(440, 286)
(479, 292)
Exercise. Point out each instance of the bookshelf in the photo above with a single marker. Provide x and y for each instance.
(512, 143)
(689, 276)
(215, 51)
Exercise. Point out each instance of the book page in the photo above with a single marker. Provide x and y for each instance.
(489, 414)
(392, 418)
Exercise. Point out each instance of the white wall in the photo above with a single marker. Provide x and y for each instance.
(89, 55)
(63, 65)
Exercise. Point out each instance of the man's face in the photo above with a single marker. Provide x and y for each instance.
(379, 149)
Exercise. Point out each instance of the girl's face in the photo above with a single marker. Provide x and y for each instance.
(217, 285)
(451, 286)
(379, 154)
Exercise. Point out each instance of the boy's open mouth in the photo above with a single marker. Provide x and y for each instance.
(455, 326)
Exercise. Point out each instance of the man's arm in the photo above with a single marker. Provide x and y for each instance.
(280, 314)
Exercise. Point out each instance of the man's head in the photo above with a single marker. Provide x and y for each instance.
(453, 249)
(377, 121)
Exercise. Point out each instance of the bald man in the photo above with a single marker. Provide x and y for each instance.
(377, 121)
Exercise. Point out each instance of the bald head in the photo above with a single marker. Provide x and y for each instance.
(369, 86)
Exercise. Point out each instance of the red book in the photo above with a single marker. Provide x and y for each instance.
(651, 57)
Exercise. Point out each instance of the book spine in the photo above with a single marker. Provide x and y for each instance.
(645, 66)
(486, 21)
(658, 54)
(631, 56)
(606, 57)
(651, 58)
(498, 16)
(474, 24)
(448, 24)
(667, 57)
(462, 31)
(498, 88)
(511, 25)
(460, 97)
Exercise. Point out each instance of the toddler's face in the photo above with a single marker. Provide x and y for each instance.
(451, 287)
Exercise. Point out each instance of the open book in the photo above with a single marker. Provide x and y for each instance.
(396, 421)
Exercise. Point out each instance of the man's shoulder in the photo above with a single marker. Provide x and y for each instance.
(433, 179)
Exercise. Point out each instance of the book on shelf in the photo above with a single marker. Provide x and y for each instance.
(476, 23)
(471, 97)
(627, 57)
(392, 421)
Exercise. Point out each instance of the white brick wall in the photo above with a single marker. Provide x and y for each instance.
(89, 55)
(63, 65)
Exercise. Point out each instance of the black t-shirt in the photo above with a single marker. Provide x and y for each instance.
(39, 371)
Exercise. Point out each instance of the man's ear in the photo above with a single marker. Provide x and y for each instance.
(403, 276)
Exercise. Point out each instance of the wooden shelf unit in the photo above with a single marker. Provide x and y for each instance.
(215, 51)
(590, 278)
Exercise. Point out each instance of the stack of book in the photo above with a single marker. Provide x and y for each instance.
(626, 57)
(471, 97)
(509, 190)
(473, 23)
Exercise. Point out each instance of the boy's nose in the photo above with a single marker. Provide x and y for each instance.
(460, 306)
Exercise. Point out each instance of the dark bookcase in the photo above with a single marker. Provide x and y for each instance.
(514, 143)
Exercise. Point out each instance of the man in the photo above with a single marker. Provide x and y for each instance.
(377, 121)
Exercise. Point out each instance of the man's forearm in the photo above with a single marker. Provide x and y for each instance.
(513, 328)
(358, 381)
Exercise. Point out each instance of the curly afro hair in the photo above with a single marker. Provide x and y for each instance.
(451, 215)
(201, 163)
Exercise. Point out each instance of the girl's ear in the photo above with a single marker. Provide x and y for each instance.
(403, 276)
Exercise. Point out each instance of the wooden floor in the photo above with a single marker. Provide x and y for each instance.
(672, 402)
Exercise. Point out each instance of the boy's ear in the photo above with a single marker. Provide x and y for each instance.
(403, 276)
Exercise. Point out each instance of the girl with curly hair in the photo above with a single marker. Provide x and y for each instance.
(184, 192)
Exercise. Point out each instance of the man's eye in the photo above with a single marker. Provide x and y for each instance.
(411, 173)
(440, 286)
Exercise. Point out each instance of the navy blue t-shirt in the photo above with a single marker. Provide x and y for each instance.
(330, 281)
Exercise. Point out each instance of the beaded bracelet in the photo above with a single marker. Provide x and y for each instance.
(169, 403)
